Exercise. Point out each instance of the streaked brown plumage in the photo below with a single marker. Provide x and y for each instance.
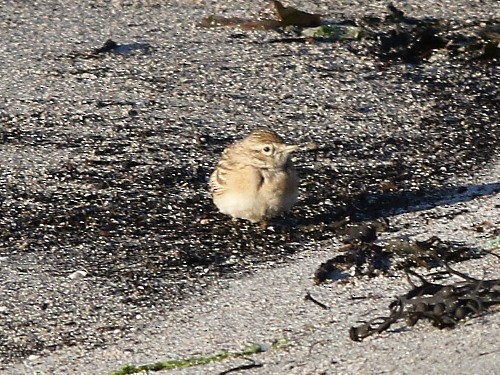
(255, 179)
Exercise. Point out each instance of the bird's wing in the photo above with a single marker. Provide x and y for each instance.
(237, 178)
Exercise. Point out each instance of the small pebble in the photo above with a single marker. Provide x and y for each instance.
(77, 275)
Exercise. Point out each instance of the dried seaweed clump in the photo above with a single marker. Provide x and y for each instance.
(363, 256)
(444, 305)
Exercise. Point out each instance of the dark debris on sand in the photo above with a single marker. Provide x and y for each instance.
(442, 304)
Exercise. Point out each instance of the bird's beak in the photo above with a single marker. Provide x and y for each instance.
(288, 149)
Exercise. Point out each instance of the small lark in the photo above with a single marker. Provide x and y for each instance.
(255, 179)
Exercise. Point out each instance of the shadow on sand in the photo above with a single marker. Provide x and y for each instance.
(372, 206)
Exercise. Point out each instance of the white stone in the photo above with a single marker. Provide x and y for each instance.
(77, 275)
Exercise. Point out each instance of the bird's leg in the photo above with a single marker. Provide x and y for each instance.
(263, 224)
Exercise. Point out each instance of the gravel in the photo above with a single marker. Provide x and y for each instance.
(111, 251)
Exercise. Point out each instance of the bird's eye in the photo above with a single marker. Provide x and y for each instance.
(266, 149)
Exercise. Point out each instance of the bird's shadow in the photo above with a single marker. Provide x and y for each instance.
(427, 199)
(371, 206)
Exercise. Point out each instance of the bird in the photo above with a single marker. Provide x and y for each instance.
(255, 179)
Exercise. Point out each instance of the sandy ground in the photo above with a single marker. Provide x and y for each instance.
(120, 130)
(270, 306)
